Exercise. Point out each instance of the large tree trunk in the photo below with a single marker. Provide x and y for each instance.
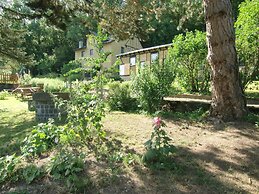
(228, 100)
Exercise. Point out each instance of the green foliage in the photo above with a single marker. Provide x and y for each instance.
(152, 83)
(247, 27)
(8, 168)
(50, 84)
(25, 79)
(71, 66)
(51, 47)
(42, 138)
(31, 172)
(120, 97)
(158, 147)
(85, 112)
(66, 165)
(188, 56)
(4, 95)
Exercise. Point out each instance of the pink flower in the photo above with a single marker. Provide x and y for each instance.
(157, 122)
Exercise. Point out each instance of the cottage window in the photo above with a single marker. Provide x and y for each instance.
(154, 57)
(122, 49)
(133, 60)
(91, 52)
(142, 63)
(81, 43)
(122, 69)
(83, 54)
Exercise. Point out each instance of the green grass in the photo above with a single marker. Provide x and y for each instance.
(15, 122)
(50, 84)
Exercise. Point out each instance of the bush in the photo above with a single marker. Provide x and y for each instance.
(42, 138)
(69, 74)
(247, 36)
(66, 165)
(152, 83)
(120, 98)
(8, 166)
(85, 112)
(31, 172)
(25, 79)
(3, 95)
(188, 55)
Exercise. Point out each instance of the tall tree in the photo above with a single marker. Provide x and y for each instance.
(12, 33)
(228, 100)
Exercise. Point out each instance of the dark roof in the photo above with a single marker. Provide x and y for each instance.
(154, 48)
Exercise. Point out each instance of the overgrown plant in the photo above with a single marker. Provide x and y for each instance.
(42, 138)
(152, 83)
(8, 170)
(66, 165)
(120, 96)
(25, 79)
(158, 147)
(247, 27)
(3, 95)
(31, 172)
(85, 113)
(188, 56)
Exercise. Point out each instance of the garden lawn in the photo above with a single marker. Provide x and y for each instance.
(210, 157)
(15, 122)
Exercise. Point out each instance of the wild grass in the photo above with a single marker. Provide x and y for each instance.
(50, 84)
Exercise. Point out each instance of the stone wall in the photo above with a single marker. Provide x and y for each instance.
(45, 107)
(45, 110)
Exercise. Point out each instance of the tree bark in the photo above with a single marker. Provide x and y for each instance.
(228, 100)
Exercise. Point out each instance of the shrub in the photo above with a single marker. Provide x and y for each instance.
(25, 79)
(247, 36)
(85, 112)
(152, 83)
(120, 98)
(188, 55)
(69, 74)
(66, 165)
(8, 166)
(42, 138)
(31, 172)
(3, 95)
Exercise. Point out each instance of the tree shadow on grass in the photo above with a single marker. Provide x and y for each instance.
(183, 174)
(13, 129)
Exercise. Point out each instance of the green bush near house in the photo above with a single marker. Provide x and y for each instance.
(247, 44)
(152, 83)
(188, 56)
(120, 97)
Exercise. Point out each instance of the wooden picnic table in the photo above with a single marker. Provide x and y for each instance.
(26, 91)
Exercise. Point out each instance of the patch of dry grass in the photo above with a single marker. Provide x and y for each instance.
(207, 160)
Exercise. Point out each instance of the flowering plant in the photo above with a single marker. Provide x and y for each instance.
(158, 147)
(158, 123)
